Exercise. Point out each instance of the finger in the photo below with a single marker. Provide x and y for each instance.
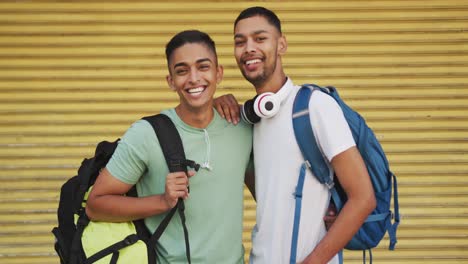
(232, 99)
(233, 102)
(179, 187)
(234, 113)
(176, 175)
(227, 112)
(180, 183)
(219, 108)
(177, 184)
(233, 108)
(184, 193)
(178, 192)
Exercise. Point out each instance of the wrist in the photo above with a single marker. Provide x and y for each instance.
(160, 204)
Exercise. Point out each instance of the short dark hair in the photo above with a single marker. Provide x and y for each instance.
(270, 16)
(189, 36)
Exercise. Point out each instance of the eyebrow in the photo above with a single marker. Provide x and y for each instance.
(185, 64)
(255, 33)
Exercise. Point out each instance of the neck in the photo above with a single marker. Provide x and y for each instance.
(199, 118)
(276, 80)
(273, 85)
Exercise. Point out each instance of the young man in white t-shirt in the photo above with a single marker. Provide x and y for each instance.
(259, 47)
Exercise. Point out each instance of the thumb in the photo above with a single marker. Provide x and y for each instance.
(190, 173)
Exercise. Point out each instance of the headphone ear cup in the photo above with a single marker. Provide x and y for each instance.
(266, 105)
(248, 113)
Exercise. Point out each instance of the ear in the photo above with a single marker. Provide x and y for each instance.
(219, 74)
(170, 82)
(282, 45)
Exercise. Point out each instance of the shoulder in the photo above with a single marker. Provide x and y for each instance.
(243, 129)
(320, 98)
(322, 103)
(222, 125)
(138, 130)
(139, 138)
(232, 135)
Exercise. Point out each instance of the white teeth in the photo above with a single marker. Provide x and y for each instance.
(195, 90)
(252, 61)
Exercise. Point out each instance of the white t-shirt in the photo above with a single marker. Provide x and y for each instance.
(278, 160)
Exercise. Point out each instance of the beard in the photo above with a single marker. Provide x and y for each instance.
(257, 80)
(261, 78)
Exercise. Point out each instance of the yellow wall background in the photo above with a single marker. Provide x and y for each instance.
(73, 73)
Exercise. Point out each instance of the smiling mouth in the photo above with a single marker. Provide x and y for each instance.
(196, 91)
(254, 61)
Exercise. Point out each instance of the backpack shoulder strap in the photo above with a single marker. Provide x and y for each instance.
(171, 143)
(173, 150)
(305, 135)
(306, 139)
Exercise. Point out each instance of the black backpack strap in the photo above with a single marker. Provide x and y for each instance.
(76, 247)
(162, 226)
(113, 249)
(181, 207)
(171, 145)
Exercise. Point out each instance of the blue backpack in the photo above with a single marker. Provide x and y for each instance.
(379, 221)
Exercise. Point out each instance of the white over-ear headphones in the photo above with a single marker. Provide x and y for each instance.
(264, 105)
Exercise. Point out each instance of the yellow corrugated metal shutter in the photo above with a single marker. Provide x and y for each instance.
(75, 73)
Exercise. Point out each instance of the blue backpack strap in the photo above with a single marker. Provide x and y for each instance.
(392, 230)
(305, 137)
(306, 140)
(297, 213)
(312, 155)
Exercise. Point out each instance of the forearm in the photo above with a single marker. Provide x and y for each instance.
(349, 220)
(119, 208)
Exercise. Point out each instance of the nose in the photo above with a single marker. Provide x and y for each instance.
(194, 76)
(250, 46)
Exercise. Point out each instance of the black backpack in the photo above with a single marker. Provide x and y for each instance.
(68, 243)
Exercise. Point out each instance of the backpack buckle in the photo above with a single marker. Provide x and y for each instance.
(297, 195)
(330, 184)
(186, 162)
(193, 164)
(131, 239)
